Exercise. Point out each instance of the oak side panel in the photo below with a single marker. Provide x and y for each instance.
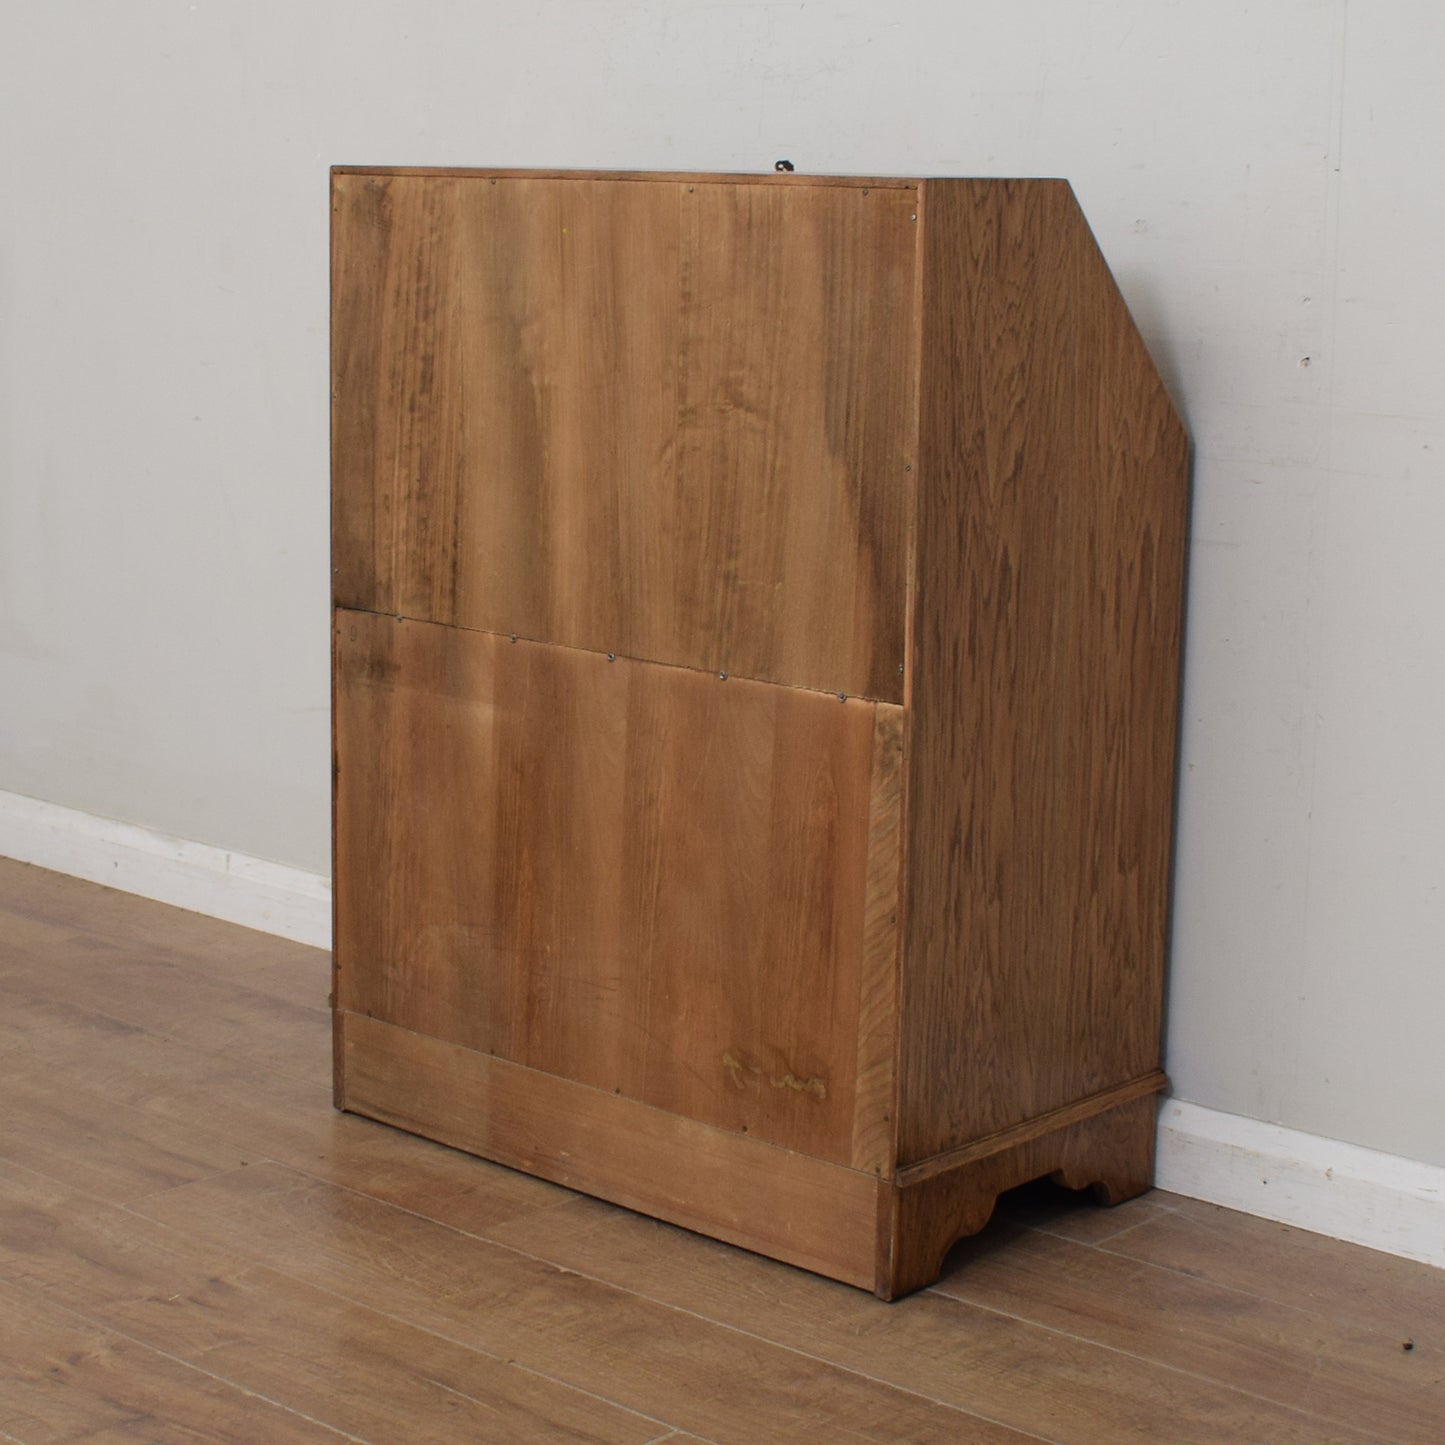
(1052, 502)
(820, 1216)
(659, 419)
(642, 878)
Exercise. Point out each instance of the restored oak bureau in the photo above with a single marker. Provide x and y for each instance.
(756, 658)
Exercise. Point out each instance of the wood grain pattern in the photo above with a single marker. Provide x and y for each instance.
(1045, 661)
(1160, 1315)
(214, 1318)
(874, 1129)
(98, 1144)
(817, 1215)
(125, 981)
(658, 419)
(641, 878)
(942, 1346)
(1348, 1284)
(727, 1385)
(63, 1378)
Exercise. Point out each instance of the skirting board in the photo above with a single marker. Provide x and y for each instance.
(1342, 1190)
(1327, 1187)
(271, 897)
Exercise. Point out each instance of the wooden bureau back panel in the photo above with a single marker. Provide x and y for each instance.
(664, 420)
(637, 877)
(1045, 661)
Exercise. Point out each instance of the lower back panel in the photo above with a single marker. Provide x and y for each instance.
(642, 878)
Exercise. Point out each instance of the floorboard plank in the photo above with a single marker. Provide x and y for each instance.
(252, 1107)
(1346, 1283)
(359, 1370)
(101, 1146)
(150, 988)
(1055, 1385)
(1291, 1356)
(63, 1378)
(26, 1016)
(576, 1329)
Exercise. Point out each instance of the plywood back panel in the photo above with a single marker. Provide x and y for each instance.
(1052, 504)
(637, 877)
(665, 420)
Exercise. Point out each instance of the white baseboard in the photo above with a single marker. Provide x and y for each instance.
(1380, 1200)
(249, 891)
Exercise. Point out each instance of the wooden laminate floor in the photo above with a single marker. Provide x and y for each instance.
(194, 1246)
